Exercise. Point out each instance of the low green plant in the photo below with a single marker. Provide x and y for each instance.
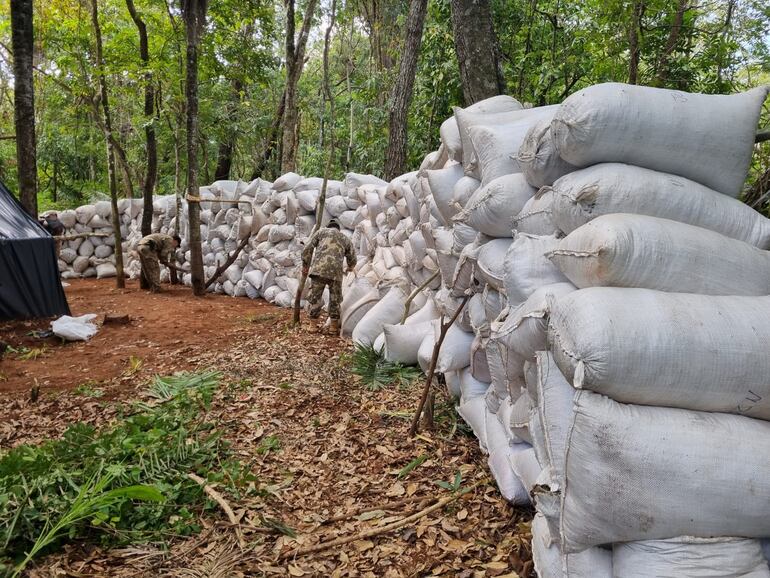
(89, 389)
(269, 444)
(90, 503)
(454, 485)
(153, 445)
(415, 463)
(376, 372)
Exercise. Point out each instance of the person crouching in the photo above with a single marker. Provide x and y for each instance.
(154, 250)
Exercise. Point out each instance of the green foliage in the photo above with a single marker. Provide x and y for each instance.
(415, 463)
(76, 485)
(549, 49)
(454, 485)
(376, 373)
(91, 502)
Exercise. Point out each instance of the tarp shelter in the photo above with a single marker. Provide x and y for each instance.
(29, 275)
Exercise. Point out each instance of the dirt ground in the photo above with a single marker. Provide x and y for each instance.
(341, 446)
(164, 330)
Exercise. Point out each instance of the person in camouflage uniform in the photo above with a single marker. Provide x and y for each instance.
(326, 249)
(153, 250)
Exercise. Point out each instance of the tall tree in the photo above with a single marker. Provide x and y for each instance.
(194, 13)
(22, 40)
(663, 65)
(477, 50)
(227, 144)
(634, 48)
(395, 155)
(295, 60)
(120, 279)
(151, 145)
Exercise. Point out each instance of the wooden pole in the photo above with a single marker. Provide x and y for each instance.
(322, 196)
(432, 370)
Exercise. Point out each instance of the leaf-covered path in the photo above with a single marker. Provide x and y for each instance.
(330, 459)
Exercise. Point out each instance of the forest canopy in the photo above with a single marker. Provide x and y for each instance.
(541, 51)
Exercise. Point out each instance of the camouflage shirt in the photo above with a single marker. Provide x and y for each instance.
(163, 245)
(330, 248)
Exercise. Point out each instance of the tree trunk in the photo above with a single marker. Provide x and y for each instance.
(194, 12)
(633, 42)
(725, 31)
(662, 68)
(395, 156)
(148, 186)
(326, 95)
(227, 145)
(295, 60)
(22, 40)
(477, 50)
(272, 140)
(120, 279)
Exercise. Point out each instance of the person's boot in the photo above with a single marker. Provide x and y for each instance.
(315, 325)
(334, 327)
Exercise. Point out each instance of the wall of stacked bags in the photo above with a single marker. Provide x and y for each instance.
(612, 356)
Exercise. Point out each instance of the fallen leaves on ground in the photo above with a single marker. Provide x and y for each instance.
(327, 455)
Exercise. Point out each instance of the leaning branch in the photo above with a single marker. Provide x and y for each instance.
(230, 260)
(434, 360)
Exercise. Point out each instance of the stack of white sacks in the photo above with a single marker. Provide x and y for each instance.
(610, 358)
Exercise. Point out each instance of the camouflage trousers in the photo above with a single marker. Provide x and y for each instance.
(150, 268)
(315, 296)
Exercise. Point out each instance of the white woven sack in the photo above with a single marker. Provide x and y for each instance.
(455, 350)
(496, 146)
(538, 158)
(479, 367)
(425, 351)
(401, 342)
(623, 250)
(286, 182)
(463, 191)
(105, 270)
(492, 208)
(486, 113)
(691, 557)
(675, 349)
(352, 311)
(490, 263)
(499, 462)
(536, 217)
(388, 310)
(706, 138)
(524, 465)
(441, 184)
(68, 218)
(617, 188)
(553, 406)
(645, 462)
(527, 267)
(551, 563)
(473, 410)
(524, 329)
(450, 138)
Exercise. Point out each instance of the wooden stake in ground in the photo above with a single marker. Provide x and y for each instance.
(432, 370)
(322, 196)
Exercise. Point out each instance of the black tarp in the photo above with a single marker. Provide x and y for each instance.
(29, 275)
